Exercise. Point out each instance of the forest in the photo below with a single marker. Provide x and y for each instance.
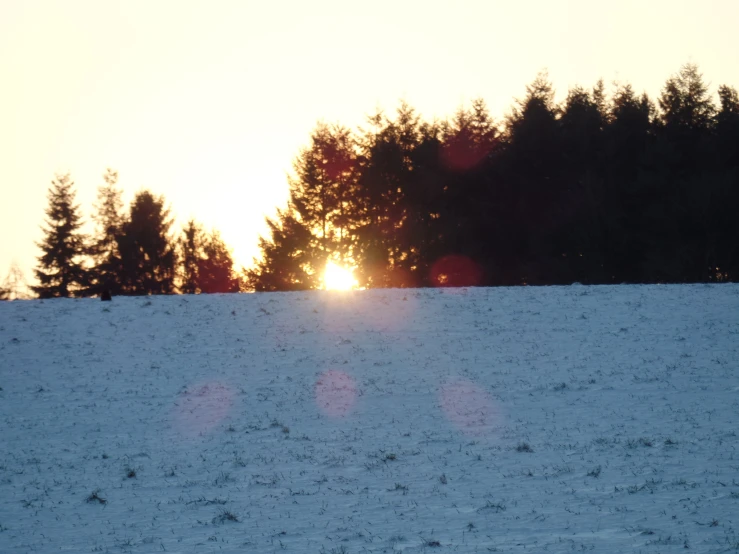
(605, 187)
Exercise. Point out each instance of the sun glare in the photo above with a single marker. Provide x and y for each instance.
(338, 278)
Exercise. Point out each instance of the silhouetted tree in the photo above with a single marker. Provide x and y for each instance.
(629, 141)
(190, 245)
(108, 217)
(148, 257)
(723, 212)
(531, 167)
(385, 251)
(581, 232)
(60, 271)
(676, 218)
(596, 189)
(215, 266)
(321, 193)
(468, 200)
(14, 286)
(206, 262)
(286, 263)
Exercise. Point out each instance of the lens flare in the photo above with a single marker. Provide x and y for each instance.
(456, 271)
(469, 407)
(202, 407)
(336, 393)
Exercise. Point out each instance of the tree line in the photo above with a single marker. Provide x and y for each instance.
(600, 188)
(130, 252)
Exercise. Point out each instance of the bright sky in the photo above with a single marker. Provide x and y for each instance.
(208, 103)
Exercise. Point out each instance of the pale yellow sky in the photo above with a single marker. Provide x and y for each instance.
(208, 103)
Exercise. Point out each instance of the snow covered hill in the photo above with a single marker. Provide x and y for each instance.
(452, 420)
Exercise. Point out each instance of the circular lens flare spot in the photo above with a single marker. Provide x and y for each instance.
(455, 271)
(469, 407)
(202, 407)
(335, 393)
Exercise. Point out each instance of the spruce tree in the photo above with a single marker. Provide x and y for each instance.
(215, 266)
(190, 247)
(105, 273)
(60, 270)
(286, 263)
(148, 256)
(206, 262)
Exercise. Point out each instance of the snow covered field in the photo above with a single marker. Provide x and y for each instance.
(549, 419)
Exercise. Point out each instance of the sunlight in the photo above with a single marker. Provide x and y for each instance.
(338, 278)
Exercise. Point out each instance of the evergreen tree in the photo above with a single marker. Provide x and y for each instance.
(677, 220)
(386, 255)
(629, 138)
(530, 170)
(106, 271)
(206, 261)
(14, 287)
(148, 257)
(724, 220)
(286, 263)
(190, 245)
(468, 199)
(60, 271)
(580, 233)
(321, 192)
(215, 267)
(685, 106)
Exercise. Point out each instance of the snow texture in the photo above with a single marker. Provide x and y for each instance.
(548, 419)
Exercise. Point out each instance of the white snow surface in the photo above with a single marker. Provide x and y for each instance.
(550, 419)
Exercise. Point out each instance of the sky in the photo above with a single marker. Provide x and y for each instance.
(208, 103)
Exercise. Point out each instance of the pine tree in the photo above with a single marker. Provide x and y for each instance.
(215, 267)
(148, 257)
(286, 263)
(530, 167)
(383, 234)
(190, 245)
(14, 286)
(321, 192)
(105, 273)
(60, 271)
(207, 263)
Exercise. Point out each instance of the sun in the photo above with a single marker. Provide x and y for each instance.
(338, 278)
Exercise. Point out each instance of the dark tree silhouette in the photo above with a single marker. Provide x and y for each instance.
(597, 189)
(215, 266)
(14, 286)
(60, 271)
(385, 254)
(108, 217)
(629, 140)
(531, 167)
(676, 219)
(206, 262)
(319, 222)
(189, 251)
(148, 257)
(286, 263)
(321, 193)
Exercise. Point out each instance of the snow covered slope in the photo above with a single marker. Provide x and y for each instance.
(470, 420)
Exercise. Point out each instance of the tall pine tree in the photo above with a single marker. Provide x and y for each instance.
(105, 273)
(60, 270)
(148, 257)
(206, 262)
